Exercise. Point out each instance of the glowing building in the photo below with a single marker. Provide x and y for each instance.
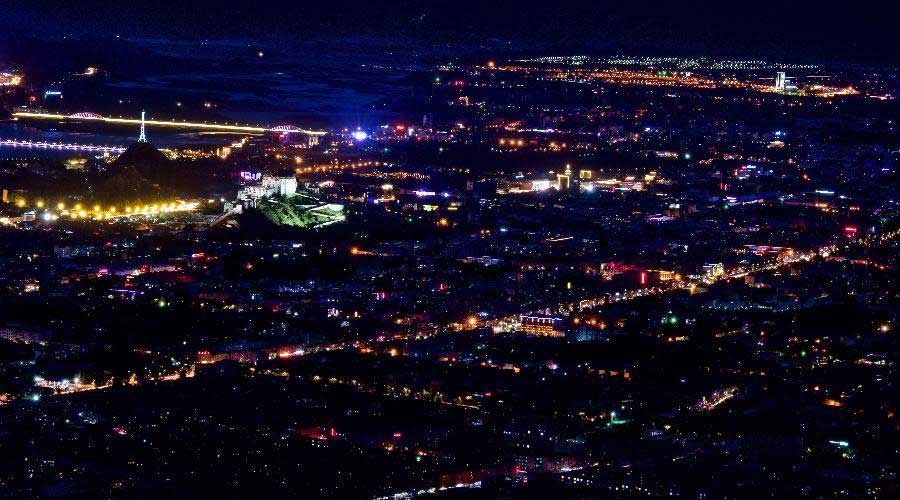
(542, 326)
(565, 179)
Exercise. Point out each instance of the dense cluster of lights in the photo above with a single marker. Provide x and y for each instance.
(337, 166)
(395, 175)
(8, 79)
(660, 78)
(98, 212)
(667, 62)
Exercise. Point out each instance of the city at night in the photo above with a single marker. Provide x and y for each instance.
(396, 249)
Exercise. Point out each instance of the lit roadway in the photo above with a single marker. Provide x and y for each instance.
(167, 123)
(60, 145)
(610, 297)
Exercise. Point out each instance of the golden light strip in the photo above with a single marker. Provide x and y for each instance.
(162, 123)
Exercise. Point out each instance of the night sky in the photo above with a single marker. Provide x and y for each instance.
(791, 30)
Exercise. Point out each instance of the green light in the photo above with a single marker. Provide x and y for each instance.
(803, 354)
(613, 422)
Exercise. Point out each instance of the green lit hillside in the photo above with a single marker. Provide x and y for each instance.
(297, 211)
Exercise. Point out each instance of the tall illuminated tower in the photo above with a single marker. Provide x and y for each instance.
(143, 136)
(780, 81)
(565, 179)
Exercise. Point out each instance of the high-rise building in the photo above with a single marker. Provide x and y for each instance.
(565, 179)
(780, 80)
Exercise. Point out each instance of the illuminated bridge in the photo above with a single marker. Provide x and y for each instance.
(61, 145)
(87, 116)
